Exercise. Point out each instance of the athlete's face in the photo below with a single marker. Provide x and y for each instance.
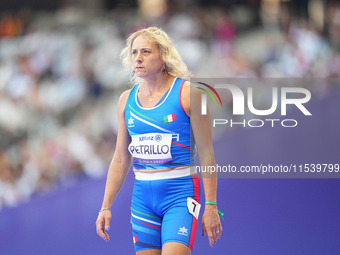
(146, 58)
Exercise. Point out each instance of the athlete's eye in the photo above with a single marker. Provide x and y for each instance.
(134, 52)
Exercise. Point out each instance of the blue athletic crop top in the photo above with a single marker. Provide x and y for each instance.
(161, 135)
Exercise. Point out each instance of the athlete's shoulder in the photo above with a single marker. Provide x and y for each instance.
(189, 93)
(122, 100)
(185, 88)
(185, 97)
(189, 90)
(125, 95)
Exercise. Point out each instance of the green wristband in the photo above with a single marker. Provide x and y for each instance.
(220, 213)
(210, 202)
(215, 203)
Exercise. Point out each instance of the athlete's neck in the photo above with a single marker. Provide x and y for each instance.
(158, 83)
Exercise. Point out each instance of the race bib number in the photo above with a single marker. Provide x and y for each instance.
(151, 148)
(193, 207)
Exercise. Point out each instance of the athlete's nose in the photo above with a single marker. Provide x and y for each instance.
(139, 57)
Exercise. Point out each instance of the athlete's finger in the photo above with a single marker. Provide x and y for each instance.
(107, 237)
(211, 237)
(107, 223)
(100, 228)
(107, 227)
(219, 232)
(216, 233)
(203, 229)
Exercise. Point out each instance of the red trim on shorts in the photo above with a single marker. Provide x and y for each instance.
(196, 182)
(148, 224)
(180, 96)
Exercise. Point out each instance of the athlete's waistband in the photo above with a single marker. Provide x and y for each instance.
(177, 173)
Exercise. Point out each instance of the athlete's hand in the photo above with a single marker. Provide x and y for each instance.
(211, 224)
(103, 224)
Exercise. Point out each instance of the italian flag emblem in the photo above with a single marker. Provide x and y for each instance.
(170, 118)
(135, 239)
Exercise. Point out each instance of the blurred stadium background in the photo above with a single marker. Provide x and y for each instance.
(61, 76)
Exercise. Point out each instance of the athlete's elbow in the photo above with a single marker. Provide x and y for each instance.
(122, 162)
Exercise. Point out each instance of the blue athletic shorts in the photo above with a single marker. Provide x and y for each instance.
(163, 211)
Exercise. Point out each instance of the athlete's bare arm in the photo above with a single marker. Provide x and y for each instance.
(118, 170)
(201, 127)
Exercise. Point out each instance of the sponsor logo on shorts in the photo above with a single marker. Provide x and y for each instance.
(183, 231)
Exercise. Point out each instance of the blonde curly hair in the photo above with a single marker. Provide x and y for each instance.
(168, 53)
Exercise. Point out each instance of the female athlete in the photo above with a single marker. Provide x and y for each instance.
(159, 130)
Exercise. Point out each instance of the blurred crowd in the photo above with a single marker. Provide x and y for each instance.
(61, 77)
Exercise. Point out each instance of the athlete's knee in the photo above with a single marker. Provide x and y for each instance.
(175, 248)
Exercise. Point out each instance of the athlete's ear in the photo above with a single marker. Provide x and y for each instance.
(163, 69)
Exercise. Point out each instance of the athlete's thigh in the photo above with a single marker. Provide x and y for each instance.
(174, 248)
(180, 219)
(146, 226)
(179, 225)
(149, 252)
